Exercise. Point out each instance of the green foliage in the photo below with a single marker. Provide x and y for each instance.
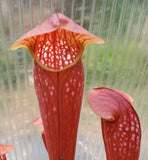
(120, 66)
(4, 74)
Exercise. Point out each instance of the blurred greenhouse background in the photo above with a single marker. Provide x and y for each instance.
(121, 63)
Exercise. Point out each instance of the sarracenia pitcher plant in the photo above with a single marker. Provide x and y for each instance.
(57, 46)
(120, 123)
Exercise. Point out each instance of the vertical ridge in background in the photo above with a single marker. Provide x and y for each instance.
(90, 30)
(101, 150)
(136, 41)
(127, 40)
(108, 41)
(51, 7)
(86, 68)
(90, 139)
(96, 57)
(31, 14)
(97, 140)
(117, 41)
(72, 9)
(144, 65)
(91, 126)
(62, 6)
(41, 10)
(82, 13)
(139, 60)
